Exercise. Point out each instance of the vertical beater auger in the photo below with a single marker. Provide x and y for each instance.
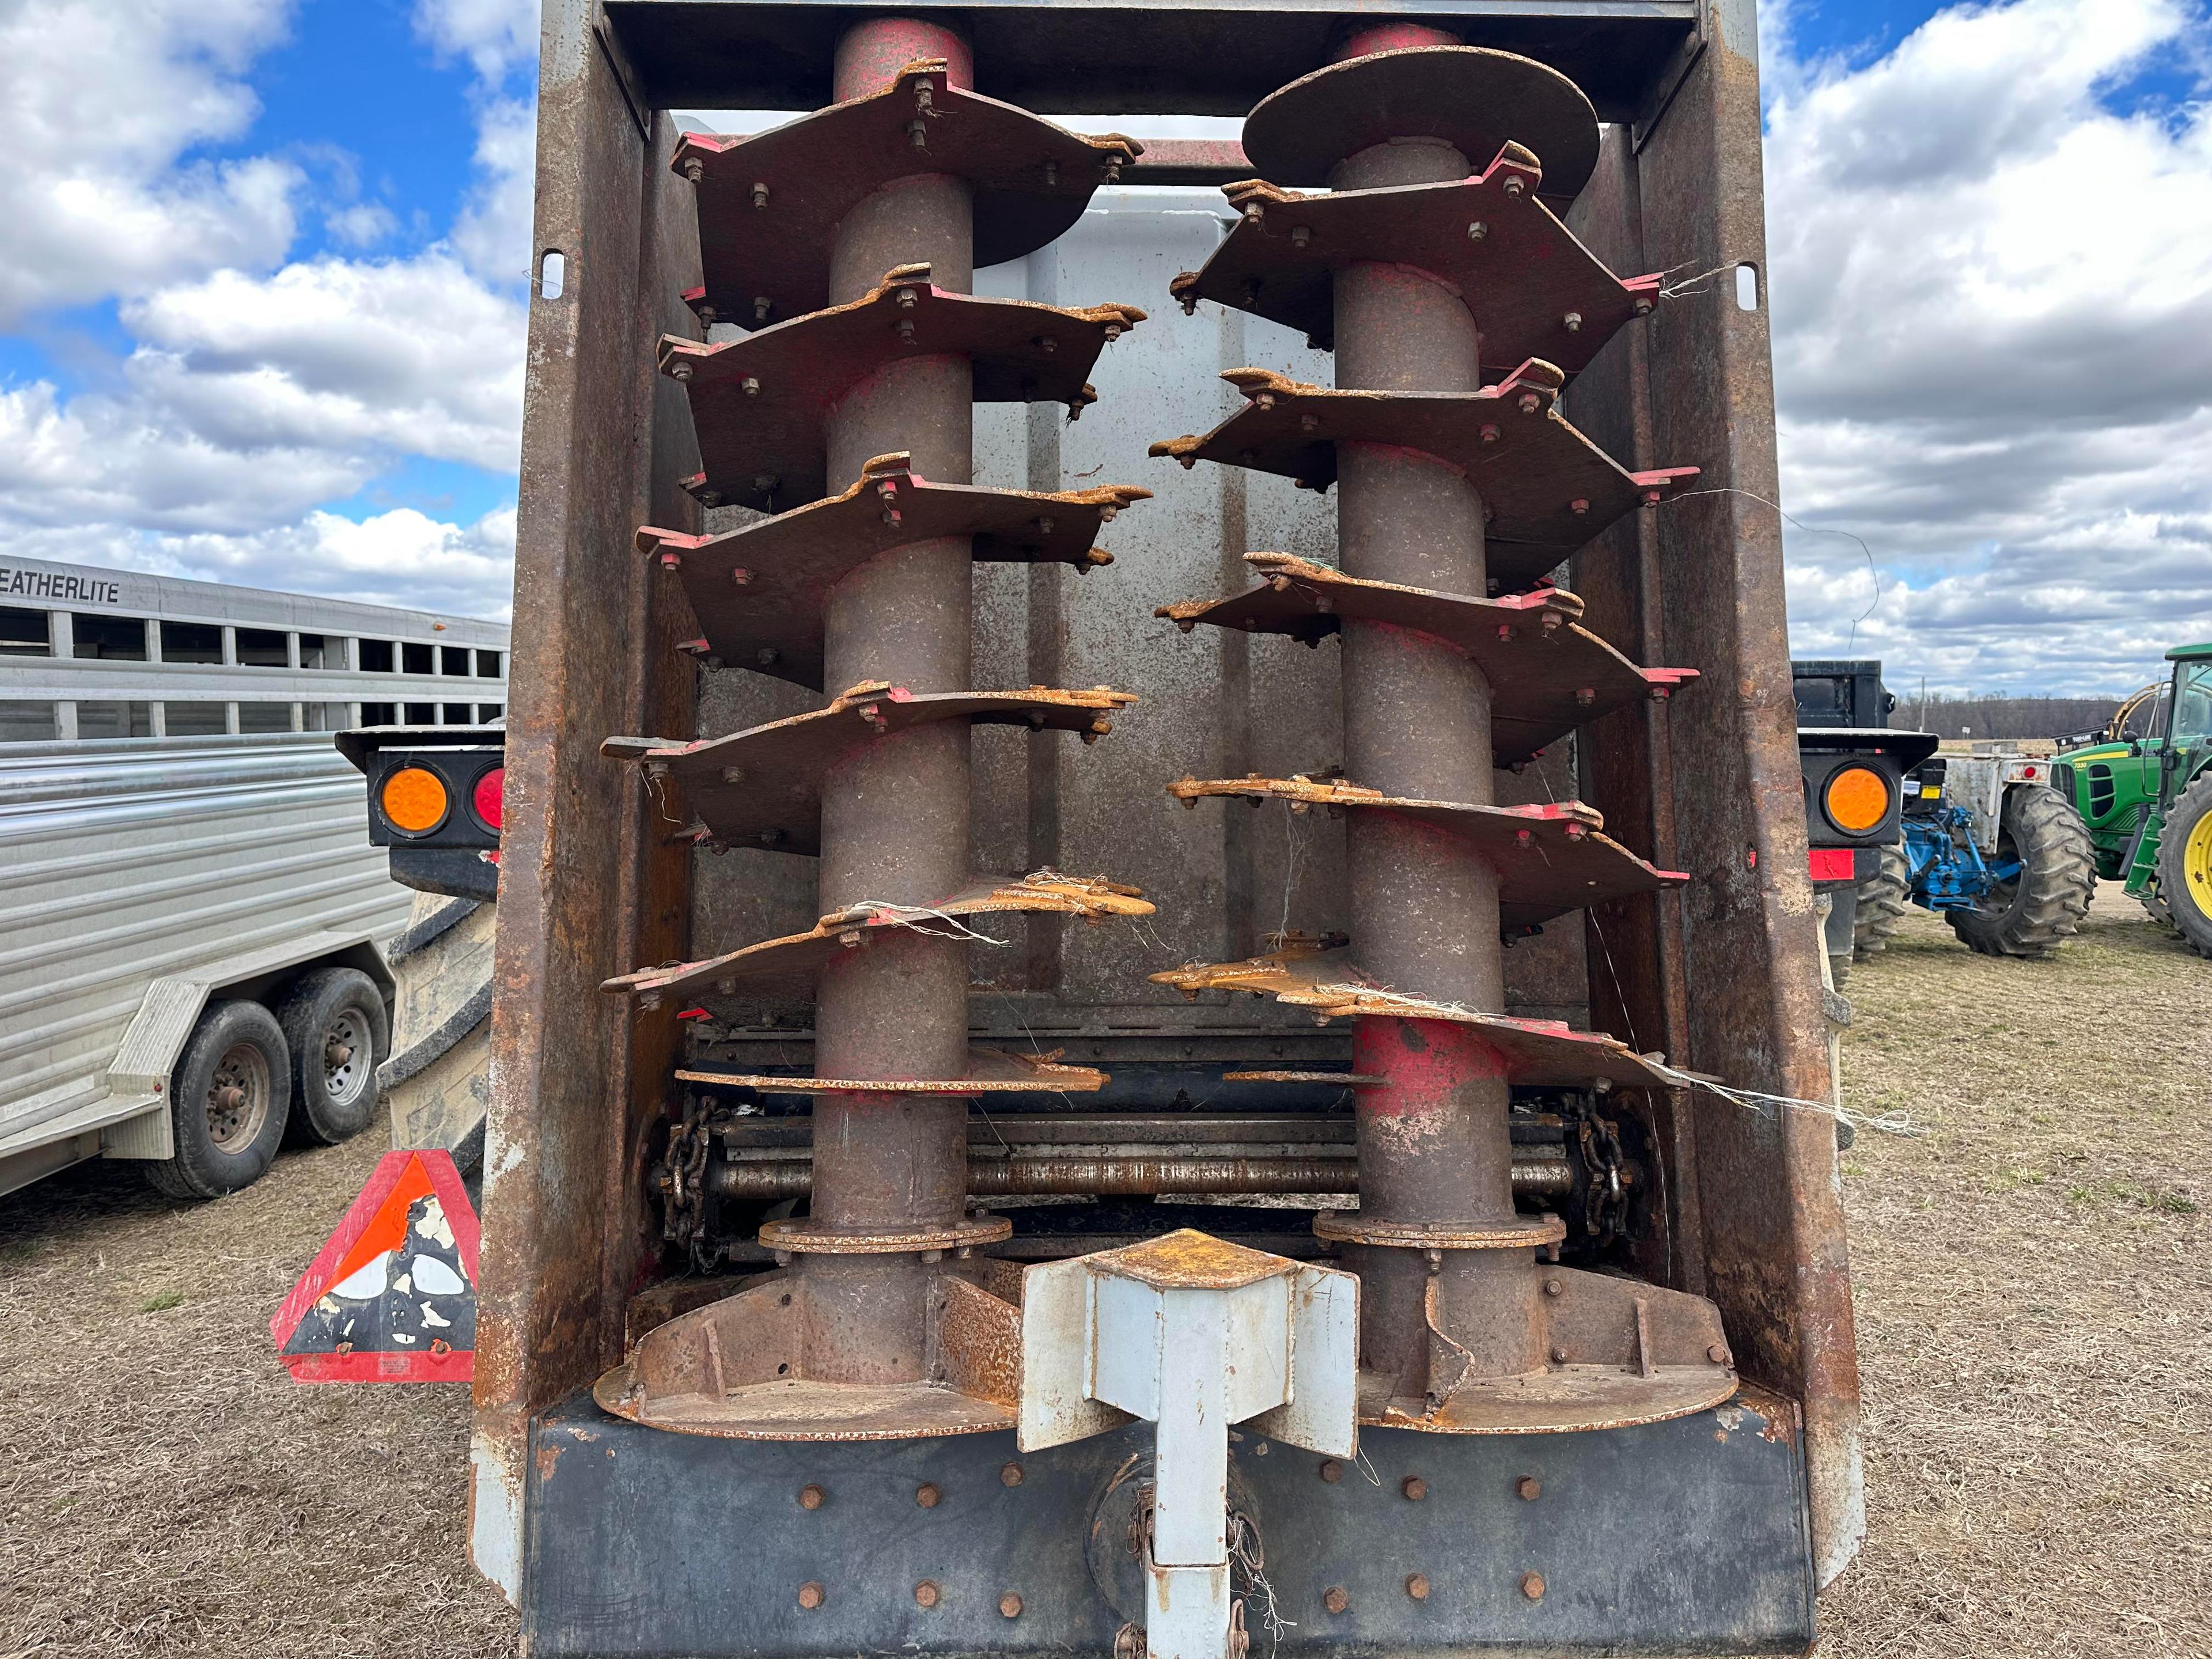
(847, 241)
(1456, 303)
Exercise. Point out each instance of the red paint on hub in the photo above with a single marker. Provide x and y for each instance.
(1393, 36)
(1424, 1063)
(871, 54)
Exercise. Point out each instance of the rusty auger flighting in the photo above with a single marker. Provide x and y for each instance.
(1456, 305)
(846, 242)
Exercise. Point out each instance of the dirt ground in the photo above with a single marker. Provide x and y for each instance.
(2033, 1282)
(165, 1488)
(2035, 1329)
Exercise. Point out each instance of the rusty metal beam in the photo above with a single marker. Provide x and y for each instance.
(1771, 1209)
(1149, 56)
(577, 1085)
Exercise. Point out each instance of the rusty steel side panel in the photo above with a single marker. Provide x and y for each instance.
(1772, 1207)
(563, 1187)
(1637, 983)
(654, 909)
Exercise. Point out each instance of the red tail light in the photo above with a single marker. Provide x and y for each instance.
(487, 791)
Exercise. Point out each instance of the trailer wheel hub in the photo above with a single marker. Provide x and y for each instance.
(238, 1097)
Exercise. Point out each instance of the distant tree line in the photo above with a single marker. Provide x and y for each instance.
(2002, 716)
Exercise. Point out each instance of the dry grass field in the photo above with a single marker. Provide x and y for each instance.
(2034, 1282)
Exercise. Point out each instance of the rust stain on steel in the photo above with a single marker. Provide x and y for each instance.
(1782, 1419)
(762, 1388)
(803, 1409)
(760, 403)
(1189, 1260)
(789, 963)
(1351, 1227)
(976, 1342)
(1547, 675)
(770, 204)
(1507, 440)
(1343, 1079)
(1288, 245)
(1562, 1398)
(1552, 858)
(819, 1237)
(759, 592)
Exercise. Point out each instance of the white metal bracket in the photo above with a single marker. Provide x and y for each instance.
(1194, 1334)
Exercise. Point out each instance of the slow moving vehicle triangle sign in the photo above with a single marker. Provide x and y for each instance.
(391, 1298)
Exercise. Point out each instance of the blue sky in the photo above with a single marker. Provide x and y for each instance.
(261, 315)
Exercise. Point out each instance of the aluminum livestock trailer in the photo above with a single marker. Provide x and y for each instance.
(192, 921)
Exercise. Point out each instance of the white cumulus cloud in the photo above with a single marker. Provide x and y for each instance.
(492, 233)
(257, 387)
(1992, 313)
(407, 356)
(495, 37)
(98, 103)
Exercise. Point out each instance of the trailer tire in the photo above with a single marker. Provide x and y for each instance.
(230, 1096)
(338, 1032)
(1884, 897)
(2184, 866)
(2031, 915)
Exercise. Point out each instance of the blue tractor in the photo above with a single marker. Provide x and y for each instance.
(1983, 840)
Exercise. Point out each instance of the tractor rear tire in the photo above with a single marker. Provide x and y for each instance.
(1884, 897)
(2184, 866)
(2031, 915)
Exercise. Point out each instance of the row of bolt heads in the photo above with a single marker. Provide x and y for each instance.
(1336, 1599)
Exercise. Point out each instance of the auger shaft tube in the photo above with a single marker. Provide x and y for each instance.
(1433, 1142)
(895, 819)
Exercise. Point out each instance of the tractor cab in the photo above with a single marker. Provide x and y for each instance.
(2144, 787)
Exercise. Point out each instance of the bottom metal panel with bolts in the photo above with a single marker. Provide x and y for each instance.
(1682, 1537)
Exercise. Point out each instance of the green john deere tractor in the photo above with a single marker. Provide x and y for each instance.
(2144, 786)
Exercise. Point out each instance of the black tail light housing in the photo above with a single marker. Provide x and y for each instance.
(435, 801)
